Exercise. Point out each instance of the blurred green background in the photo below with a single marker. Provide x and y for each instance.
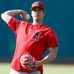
(59, 16)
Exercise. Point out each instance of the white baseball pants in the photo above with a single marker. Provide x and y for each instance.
(18, 72)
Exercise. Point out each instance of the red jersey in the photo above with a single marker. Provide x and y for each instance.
(34, 39)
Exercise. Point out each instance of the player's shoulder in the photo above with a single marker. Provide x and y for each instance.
(48, 28)
(27, 23)
(49, 31)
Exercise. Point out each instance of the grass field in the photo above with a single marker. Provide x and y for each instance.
(48, 69)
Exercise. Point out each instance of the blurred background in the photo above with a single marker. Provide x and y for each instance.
(59, 16)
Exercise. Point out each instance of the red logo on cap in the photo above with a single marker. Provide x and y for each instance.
(37, 4)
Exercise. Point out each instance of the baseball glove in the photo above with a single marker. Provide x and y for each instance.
(28, 62)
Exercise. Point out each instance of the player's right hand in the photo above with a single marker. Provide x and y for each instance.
(23, 14)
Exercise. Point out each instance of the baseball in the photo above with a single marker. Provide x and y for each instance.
(27, 17)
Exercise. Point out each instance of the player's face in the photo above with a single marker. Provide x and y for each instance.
(37, 14)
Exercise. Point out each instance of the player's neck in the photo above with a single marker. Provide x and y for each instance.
(37, 22)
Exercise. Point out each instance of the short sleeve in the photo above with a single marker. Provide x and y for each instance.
(14, 24)
(52, 39)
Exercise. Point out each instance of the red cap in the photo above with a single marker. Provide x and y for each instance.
(38, 4)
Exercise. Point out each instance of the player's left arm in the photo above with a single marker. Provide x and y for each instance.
(51, 56)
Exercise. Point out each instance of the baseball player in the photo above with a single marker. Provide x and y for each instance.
(31, 38)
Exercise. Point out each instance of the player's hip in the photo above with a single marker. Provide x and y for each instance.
(12, 71)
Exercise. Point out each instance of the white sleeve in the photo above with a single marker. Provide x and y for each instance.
(6, 17)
